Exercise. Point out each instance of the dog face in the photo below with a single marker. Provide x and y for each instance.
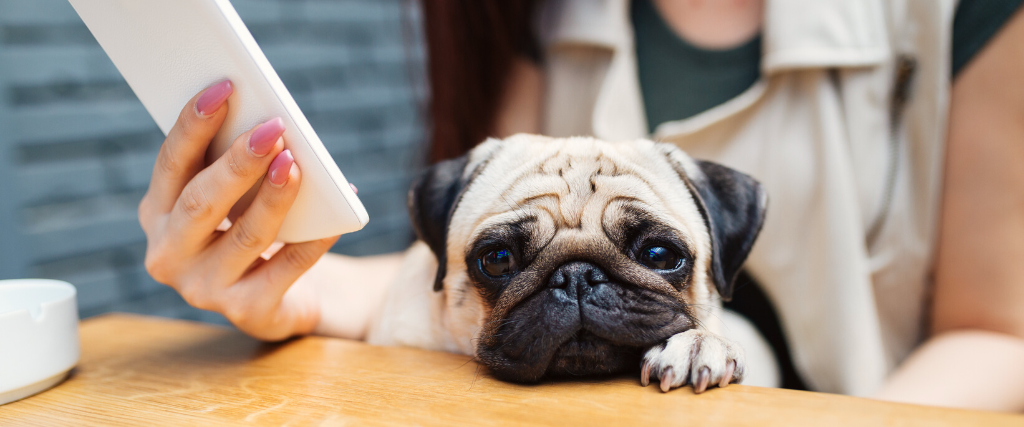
(573, 256)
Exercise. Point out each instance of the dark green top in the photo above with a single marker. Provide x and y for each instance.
(679, 80)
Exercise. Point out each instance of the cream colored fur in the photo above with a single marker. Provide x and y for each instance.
(520, 176)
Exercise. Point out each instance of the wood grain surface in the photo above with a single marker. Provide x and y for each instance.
(148, 371)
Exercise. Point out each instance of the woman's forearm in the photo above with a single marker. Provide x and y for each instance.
(350, 291)
(963, 368)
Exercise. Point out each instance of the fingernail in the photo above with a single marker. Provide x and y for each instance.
(213, 98)
(280, 168)
(263, 138)
(354, 189)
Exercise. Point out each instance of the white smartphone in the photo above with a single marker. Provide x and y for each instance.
(169, 50)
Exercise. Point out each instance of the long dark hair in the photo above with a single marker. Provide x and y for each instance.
(470, 48)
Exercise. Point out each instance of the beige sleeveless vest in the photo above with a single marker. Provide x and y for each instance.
(845, 128)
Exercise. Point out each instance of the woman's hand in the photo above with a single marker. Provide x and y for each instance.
(223, 271)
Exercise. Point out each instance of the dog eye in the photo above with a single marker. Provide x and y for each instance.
(659, 258)
(497, 263)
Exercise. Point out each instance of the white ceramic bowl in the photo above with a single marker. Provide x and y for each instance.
(38, 336)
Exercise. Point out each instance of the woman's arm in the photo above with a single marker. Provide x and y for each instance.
(975, 357)
(350, 290)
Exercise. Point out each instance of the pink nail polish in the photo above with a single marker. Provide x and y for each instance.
(263, 138)
(280, 168)
(354, 189)
(213, 98)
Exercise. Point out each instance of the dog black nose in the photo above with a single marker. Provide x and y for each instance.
(577, 274)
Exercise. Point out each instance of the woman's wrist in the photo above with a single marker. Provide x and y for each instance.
(350, 291)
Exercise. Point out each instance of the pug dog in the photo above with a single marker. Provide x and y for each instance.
(546, 257)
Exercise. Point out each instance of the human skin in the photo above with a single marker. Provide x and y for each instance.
(970, 359)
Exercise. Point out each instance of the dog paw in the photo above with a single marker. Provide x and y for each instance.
(693, 357)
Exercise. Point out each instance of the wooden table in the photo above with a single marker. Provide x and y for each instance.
(148, 371)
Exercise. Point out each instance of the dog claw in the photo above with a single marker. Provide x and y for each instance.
(666, 380)
(695, 359)
(730, 368)
(702, 380)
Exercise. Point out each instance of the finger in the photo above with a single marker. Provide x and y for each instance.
(206, 200)
(273, 278)
(256, 229)
(182, 154)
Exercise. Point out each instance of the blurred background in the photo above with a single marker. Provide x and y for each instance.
(77, 147)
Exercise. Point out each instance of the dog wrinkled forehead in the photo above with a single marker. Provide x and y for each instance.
(508, 174)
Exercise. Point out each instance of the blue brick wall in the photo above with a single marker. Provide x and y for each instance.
(77, 147)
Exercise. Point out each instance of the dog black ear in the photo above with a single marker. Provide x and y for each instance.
(733, 205)
(432, 200)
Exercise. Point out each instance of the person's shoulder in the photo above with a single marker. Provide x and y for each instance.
(975, 22)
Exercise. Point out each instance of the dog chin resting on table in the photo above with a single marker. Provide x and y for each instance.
(567, 257)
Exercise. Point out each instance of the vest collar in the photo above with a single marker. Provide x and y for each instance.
(796, 34)
(823, 34)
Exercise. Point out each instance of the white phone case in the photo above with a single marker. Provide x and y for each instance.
(169, 50)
